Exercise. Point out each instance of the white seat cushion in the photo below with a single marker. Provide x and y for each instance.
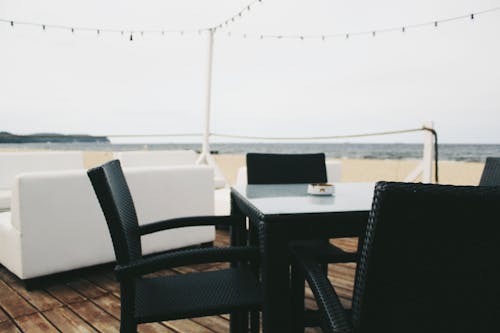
(5, 196)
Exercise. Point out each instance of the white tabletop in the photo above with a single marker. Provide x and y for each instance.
(294, 199)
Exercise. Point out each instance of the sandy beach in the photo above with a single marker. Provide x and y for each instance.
(353, 170)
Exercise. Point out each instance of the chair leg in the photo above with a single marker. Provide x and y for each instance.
(254, 322)
(127, 321)
(128, 327)
(244, 322)
(298, 295)
(238, 322)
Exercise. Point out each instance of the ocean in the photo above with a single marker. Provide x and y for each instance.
(447, 152)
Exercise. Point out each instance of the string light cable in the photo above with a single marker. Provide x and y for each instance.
(132, 32)
(373, 32)
(238, 15)
(98, 31)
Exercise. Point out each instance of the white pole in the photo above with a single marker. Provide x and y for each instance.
(205, 149)
(428, 155)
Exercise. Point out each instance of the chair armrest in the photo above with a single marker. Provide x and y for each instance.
(334, 318)
(157, 262)
(186, 222)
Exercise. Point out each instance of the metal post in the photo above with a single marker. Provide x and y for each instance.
(205, 149)
(424, 167)
(205, 156)
(428, 155)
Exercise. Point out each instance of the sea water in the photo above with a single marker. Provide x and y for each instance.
(450, 152)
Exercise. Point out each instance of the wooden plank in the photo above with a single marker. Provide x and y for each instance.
(104, 282)
(154, 328)
(12, 303)
(35, 323)
(98, 318)
(40, 299)
(186, 325)
(110, 304)
(65, 294)
(3, 316)
(67, 321)
(86, 288)
(7, 276)
(215, 323)
(8, 327)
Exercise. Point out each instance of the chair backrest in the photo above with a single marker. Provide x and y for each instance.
(117, 205)
(429, 262)
(491, 172)
(286, 168)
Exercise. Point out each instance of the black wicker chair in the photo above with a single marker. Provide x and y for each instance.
(286, 168)
(491, 172)
(235, 290)
(429, 263)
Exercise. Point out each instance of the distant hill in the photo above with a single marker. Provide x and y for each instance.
(6, 137)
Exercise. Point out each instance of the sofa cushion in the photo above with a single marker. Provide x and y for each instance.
(5, 196)
(14, 163)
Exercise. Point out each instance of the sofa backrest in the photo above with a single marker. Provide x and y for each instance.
(59, 217)
(156, 158)
(14, 163)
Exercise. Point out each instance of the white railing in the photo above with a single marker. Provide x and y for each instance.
(425, 167)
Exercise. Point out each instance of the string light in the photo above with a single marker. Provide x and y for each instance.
(237, 15)
(98, 31)
(375, 32)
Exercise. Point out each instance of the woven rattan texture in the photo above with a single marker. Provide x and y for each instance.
(491, 172)
(116, 202)
(196, 295)
(286, 168)
(430, 260)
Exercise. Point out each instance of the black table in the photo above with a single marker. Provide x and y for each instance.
(279, 214)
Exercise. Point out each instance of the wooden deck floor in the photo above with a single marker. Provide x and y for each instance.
(91, 302)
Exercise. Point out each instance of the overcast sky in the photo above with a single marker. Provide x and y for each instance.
(53, 81)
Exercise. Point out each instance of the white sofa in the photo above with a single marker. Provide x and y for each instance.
(146, 158)
(56, 223)
(14, 163)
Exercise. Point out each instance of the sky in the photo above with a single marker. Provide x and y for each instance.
(55, 81)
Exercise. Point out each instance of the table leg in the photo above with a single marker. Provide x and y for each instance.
(238, 320)
(275, 278)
